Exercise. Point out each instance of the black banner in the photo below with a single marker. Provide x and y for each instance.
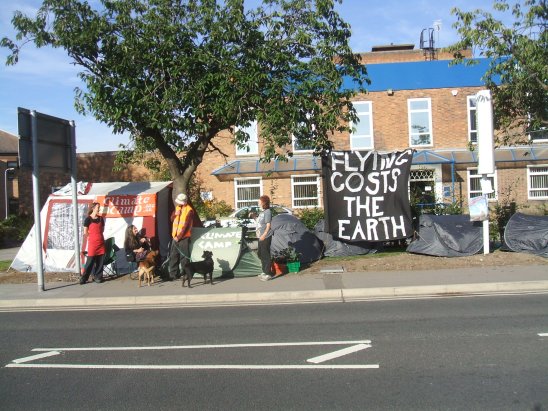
(366, 195)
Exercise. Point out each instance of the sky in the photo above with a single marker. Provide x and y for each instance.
(44, 79)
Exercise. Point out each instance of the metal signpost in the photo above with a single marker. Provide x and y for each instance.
(48, 143)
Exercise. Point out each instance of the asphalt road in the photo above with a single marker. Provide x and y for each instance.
(476, 353)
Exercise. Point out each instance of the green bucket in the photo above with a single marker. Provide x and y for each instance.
(293, 267)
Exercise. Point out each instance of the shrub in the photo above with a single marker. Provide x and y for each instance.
(209, 209)
(15, 228)
(310, 216)
(501, 211)
(287, 255)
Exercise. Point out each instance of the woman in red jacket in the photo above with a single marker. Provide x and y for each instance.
(94, 225)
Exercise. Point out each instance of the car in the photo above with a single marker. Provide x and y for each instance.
(249, 211)
(246, 217)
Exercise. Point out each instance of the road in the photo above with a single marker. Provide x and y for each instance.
(477, 353)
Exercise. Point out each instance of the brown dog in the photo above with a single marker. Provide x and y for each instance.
(147, 266)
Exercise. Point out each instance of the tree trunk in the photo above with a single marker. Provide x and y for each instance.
(182, 170)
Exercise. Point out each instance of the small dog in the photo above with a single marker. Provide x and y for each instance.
(204, 267)
(146, 268)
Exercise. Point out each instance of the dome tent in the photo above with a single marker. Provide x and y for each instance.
(527, 233)
(288, 230)
(336, 248)
(447, 236)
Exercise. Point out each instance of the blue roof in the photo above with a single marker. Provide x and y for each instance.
(423, 75)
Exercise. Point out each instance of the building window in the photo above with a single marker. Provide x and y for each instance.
(252, 146)
(248, 191)
(474, 184)
(308, 134)
(539, 135)
(305, 191)
(420, 122)
(300, 147)
(472, 119)
(537, 182)
(361, 136)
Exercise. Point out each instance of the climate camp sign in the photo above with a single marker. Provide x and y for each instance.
(366, 195)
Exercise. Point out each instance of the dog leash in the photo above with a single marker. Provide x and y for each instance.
(180, 252)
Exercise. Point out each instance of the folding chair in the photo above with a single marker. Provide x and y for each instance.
(110, 268)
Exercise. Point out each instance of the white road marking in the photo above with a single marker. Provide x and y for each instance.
(543, 334)
(36, 357)
(338, 353)
(184, 347)
(197, 367)
(356, 346)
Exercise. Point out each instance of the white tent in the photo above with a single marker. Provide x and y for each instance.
(143, 204)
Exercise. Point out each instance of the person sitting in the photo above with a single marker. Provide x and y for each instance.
(136, 246)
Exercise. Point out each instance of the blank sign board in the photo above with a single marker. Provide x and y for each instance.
(54, 139)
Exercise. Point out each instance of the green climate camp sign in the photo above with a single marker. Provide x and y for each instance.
(225, 243)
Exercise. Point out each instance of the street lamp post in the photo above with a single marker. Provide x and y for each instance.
(6, 188)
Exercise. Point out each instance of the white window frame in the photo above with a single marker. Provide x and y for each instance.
(472, 173)
(410, 113)
(238, 184)
(469, 111)
(353, 136)
(531, 173)
(252, 143)
(307, 183)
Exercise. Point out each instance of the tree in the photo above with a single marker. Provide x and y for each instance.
(174, 73)
(518, 72)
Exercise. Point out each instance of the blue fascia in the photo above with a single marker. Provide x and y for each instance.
(419, 75)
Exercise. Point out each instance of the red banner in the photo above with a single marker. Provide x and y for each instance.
(141, 205)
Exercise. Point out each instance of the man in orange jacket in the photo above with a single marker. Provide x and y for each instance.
(181, 229)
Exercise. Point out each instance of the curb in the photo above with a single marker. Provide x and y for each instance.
(271, 298)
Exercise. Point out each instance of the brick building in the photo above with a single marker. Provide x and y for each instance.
(9, 186)
(416, 99)
(92, 167)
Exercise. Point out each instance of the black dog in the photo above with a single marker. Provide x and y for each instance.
(204, 267)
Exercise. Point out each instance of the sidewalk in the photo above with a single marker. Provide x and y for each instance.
(123, 292)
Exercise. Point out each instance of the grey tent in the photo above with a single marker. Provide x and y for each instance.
(289, 230)
(447, 236)
(527, 233)
(335, 248)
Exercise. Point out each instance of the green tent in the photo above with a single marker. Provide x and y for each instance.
(231, 254)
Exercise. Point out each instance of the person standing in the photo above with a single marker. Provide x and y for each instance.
(181, 230)
(94, 226)
(264, 234)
